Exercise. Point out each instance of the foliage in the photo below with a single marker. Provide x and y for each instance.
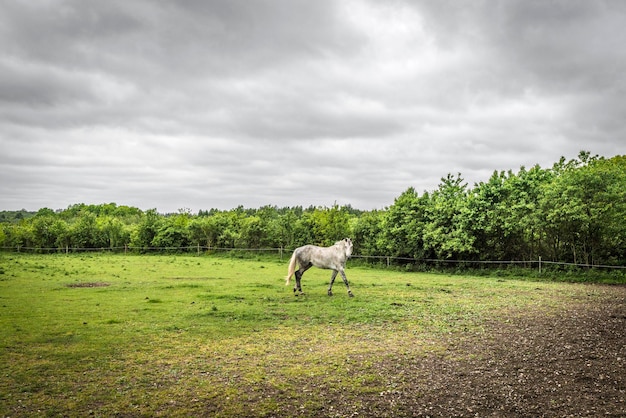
(584, 210)
(446, 231)
(403, 225)
(572, 212)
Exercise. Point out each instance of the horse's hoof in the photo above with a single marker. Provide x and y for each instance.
(350, 294)
(330, 293)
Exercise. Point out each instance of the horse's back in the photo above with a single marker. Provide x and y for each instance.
(322, 257)
(307, 252)
(305, 249)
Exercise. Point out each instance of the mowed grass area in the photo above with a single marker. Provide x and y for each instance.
(170, 335)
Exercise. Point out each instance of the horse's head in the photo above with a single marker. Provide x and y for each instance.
(347, 242)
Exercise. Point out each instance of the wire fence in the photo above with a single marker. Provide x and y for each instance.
(281, 252)
(539, 262)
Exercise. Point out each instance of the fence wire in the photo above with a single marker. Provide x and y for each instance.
(199, 249)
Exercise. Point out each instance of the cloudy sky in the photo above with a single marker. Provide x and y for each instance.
(220, 103)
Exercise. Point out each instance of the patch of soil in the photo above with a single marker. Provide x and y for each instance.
(566, 362)
(89, 284)
(569, 363)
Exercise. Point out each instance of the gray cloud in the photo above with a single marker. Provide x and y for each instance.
(216, 104)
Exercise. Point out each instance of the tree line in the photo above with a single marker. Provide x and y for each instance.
(573, 212)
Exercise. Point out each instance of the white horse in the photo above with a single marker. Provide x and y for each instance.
(333, 258)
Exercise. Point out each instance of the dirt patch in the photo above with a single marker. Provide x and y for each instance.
(569, 363)
(89, 284)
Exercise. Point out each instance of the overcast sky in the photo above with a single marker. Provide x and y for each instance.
(215, 104)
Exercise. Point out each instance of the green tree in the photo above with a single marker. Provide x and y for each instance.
(266, 229)
(446, 231)
(85, 233)
(328, 225)
(44, 235)
(199, 231)
(3, 236)
(504, 214)
(114, 231)
(147, 229)
(304, 230)
(252, 233)
(286, 228)
(173, 232)
(61, 231)
(583, 210)
(229, 227)
(219, 229)
(19, 235)
(403, 225)
(368, 234)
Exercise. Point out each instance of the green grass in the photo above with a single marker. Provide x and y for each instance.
(101, 335)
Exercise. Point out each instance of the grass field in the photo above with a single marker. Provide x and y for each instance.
(103, 335)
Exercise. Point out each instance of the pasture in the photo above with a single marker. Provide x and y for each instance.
(171, 335)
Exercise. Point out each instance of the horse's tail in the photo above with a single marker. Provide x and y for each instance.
(292, 268)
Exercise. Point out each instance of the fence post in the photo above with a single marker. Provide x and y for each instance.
(539, 265)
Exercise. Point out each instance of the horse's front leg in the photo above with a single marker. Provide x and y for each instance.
(332, 280)
(345, 280)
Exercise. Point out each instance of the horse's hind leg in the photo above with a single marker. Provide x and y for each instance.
(298, 286)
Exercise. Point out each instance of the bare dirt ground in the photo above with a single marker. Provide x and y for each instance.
(570, 363)
(567, 363)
